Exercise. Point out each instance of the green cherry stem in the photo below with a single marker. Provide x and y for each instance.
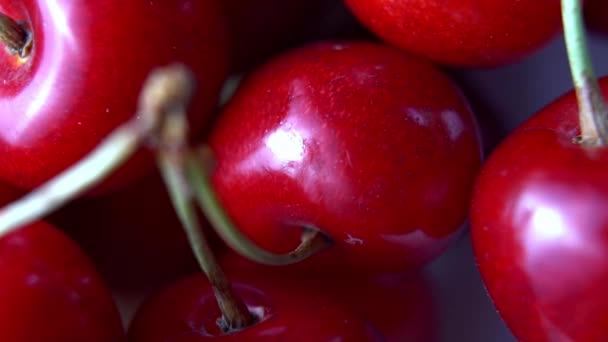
(592, 106)
(80, 177)
(313, 241)
(171, 160)
(15, 37)
(164, 88)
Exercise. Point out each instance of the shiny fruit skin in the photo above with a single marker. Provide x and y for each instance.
(463, 33)
(186, 312)
(539, 224)
(85, 72)
(51, 292)
(375, 148)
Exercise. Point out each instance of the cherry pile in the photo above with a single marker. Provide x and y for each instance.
(310, 157)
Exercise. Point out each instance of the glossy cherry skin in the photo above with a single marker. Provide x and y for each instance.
(51, 292)
(8, 194)
(462, 32)
(372, 146)
(84, 75)
(539, 226)
(133, 235)
(596, 15)
(186, 312)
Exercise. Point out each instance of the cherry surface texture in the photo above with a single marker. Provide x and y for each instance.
(87, 66)
(51, 292)
(540, 229)
(462, 32)
(372, 146)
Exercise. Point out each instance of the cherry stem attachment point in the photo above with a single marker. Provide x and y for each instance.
(160, 91)
(313, 241)
(593, 114)
(171, 159)
(15, 37)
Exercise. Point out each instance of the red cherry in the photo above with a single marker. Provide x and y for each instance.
(596, 14)
(539, 226)
(374, 147)
(187, 311)
(51, 292)
(461, 32)
(83, 76)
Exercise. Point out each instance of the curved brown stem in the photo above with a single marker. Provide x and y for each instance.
(15, 37)
(235, 314)
(172, 161)
(312, 242)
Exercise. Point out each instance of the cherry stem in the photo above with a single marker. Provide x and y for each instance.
(16, 38)
(159, 91)
(593, 114)
(313, 241)
(171, 158)
(80, 177)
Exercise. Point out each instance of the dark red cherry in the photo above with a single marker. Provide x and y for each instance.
(51, 292)
(187, 312)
